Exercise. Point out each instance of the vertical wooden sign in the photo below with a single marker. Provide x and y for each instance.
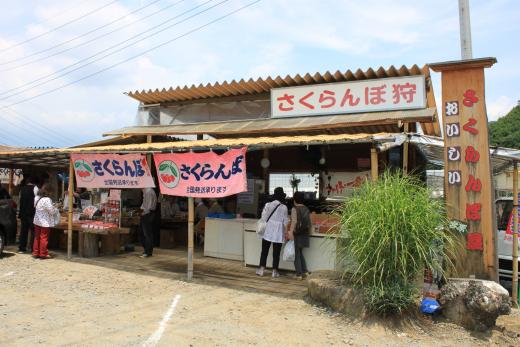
(467, 179)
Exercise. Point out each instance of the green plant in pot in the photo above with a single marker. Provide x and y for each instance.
(391, 230)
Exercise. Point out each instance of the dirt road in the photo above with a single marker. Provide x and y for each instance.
(60, 303)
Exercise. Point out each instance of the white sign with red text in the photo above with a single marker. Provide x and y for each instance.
(385, 94)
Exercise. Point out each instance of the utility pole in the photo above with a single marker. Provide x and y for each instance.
(465, 30)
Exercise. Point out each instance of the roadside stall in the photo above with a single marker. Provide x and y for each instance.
(343, 128)
(334, 129)
(99, 226)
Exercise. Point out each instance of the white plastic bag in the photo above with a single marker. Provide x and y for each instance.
(56, 218)
(260, 228)
(288, 251)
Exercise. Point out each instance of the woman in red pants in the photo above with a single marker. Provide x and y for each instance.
(43, 220)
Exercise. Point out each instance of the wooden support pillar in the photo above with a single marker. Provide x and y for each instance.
(70, 211)
(191, 215)
(405, 150)
(149, 156)
(515, 233)
(265, 171)
(374, 169)
(11, 180)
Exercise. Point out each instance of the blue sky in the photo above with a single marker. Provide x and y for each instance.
(269, 38)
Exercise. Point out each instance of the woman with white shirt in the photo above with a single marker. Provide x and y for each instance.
(43, 221)
(276, 217)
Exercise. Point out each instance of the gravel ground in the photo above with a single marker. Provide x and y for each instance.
(60, 303)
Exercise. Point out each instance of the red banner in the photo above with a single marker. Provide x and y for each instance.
(112, 171)
(202, 175)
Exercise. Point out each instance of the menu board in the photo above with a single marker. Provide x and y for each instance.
(247, 197)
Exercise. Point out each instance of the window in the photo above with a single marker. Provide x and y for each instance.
(305, 182)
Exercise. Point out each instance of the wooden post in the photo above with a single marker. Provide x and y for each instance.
(11, 180)
(405, 150)
(191, 215)
(69, 215)
(515, 233)
(265, 171)
(149, 156)
(374, 163)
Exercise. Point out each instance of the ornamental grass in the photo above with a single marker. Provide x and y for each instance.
(391, 230)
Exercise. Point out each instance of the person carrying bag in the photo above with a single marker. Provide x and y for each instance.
(45, 217)
(276, 217)
(299, 231)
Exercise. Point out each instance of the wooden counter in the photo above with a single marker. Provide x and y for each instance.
(93, 242)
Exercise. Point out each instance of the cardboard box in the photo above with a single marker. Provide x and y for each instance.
(167, 239)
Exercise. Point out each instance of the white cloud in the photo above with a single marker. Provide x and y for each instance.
(270, 38)
(499, 107)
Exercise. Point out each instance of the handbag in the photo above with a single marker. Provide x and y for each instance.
(261, 225)
(56, 218)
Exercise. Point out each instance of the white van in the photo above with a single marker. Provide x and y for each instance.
(504, 209)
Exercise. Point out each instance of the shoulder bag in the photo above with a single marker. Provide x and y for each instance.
(261, 225)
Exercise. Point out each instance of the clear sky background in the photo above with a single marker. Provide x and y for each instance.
(272, 37)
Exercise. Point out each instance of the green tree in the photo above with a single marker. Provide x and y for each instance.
(505, 132)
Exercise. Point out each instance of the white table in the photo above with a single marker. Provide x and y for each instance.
(224, 238)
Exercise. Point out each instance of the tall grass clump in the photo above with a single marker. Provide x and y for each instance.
(392, 230)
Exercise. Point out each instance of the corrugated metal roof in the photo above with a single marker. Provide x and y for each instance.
(60, 157)
(261, 88)
(11, 148)
(121, 140)
(433, 147)
(276, 126)
(260, 85)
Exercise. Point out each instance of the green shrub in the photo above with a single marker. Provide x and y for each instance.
(392, 230)
(392, 298)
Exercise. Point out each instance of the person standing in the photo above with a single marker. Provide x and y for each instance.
(276, 217)
(215, 207)
(4, 194)
(26, 214)
(147, 221)
(299, 231)
(44, 218)
(201, 212)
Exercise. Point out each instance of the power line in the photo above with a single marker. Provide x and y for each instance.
(78, 37)
(35, 124)
(86, 42)
(59, 26)
(23, 119)
(33, 132)
(10, 140)
(59, 14)
(31, 85)
(135, 56)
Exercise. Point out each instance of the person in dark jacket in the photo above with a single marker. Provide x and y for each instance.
(4, 194)
(299, 231)
(26, 214)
